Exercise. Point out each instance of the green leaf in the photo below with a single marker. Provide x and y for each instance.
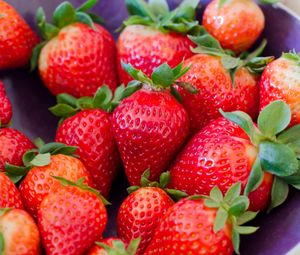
(39, 142)
(257, 65)
(163, 75)
(2, 244)
(50, 31)
(230, 62)
(140, 8)
(64, 15)
(28, 156)
(85, 19)
(245, 217)
(175, 194)
(85, 103)
(268, 1)
(159, 7)
(133, 246)
(258, 51)
(65, 98)
(280, 191)
(232, 193)
(221, 218)
(96, 18)
(274, 118)
(176, 94)
(87, 6)
(292, 56)
(179, 72)
(216, 194)
(50, 147)
(221, 3)
(63, 110)
(211, 203)
(255, 178)
(245, 230)
(136, 74)
(40, 17)
(35, 55)
(65, 150)
(130, 89)
(290, 135)
(132, 189)
(41, 160)
(189, 3)
(235, 236)
(15, 173)
(164, 179)
(102, 97)
(239, 205)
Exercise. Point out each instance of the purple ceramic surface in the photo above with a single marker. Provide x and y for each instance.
(279, 231)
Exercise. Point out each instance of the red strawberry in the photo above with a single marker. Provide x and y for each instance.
(71, 219)
(212, 227)
(76, 58)
(13, 144)
(281, 80)
(16, 38)
(235, 23)
(5, 107)
(9, 195)
(150, 126)
(222, 154)
(18, 233)
(154, 35)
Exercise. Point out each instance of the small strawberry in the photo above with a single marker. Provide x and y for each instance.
(223, 81)
(9, 194)
(5, 107)
(222, 154)
(154, 35)
(71, 218)
(19, 235)
(13, 144)
(281, 80)
(210, 226)
(77, 56)
(150, 126)
(17, 40)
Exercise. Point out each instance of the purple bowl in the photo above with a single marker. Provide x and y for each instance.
(279, 231)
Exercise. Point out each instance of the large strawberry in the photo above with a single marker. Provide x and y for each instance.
(223, 81)
(17, 40)
(223, 153)
(150, 126)
(71, 218)
(210, 226)
(5, 107)
(154, 35)
(19, 235)
(281, 80)
(77, 56)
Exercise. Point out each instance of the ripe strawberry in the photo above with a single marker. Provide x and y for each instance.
(5, 107)
(196, 226)
(223, 81)
(154, 35)
(77, 56)
(18, 233)
(281, 80)
(71, 218)
(150, 126)
(13, 144)
(222, 154)
(17, 40)
(9, 195)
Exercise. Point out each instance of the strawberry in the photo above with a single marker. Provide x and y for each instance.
(71, 218)
(224, 153)
(223, 81)
(150, 126)
(17, 40)
(210, 226)
(18, 233)
(281, 80)
(13, 144)
(154, 35)
(78, 56)
(5, 107)
(9, 194)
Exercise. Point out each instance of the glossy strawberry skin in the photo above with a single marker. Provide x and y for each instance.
(187, 228)
(9, 194)
(140, 214)
(98, 250)
(21, 234)
(17, 40)
(39, 182)
(219, 155)
(149, 127)
(79, 61)
(236, 25)
(215, 91)
(146, 48)
(5, 107)
(71, 220)
(91, 132)
(281, 81)
(13, 144)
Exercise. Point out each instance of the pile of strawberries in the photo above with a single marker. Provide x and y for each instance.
(207, 133)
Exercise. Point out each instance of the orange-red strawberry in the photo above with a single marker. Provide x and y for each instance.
(5, 107)
(18, 233)
(77, 56)
(71, 219)
(154, 35)
(196, 226)
(281, 80)
(17, 40)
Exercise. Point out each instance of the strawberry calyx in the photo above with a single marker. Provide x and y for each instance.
(37, 158)
(221, 3)
(207, 44)
(65, 14)
(119, 248)
(163, 182)
(231, 207)
(292, 56)
(157, 14)
(278, 149)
